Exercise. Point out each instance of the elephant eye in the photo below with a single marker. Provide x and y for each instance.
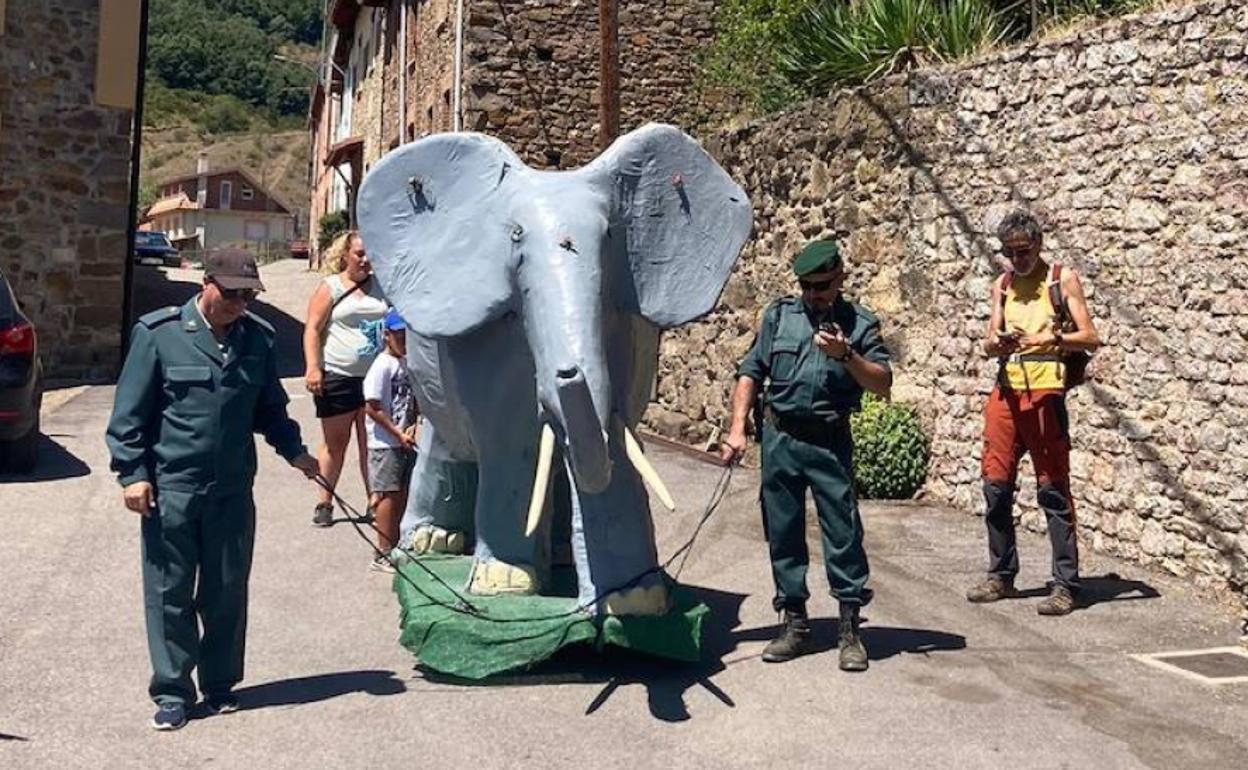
(517, 233)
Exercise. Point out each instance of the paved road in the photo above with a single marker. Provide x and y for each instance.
(951, 685)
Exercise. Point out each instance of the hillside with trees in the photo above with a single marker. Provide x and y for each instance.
(213, 87)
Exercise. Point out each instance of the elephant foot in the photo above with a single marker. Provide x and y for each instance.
(496, 577)
(650, 600)
(431, 539)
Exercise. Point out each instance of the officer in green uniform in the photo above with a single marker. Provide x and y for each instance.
(816, 355)
(198, 381)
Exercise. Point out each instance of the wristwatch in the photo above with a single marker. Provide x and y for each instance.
(1057, 338)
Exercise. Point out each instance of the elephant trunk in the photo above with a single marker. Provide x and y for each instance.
(587, 441)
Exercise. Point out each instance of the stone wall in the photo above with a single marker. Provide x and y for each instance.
(64, 186)
(1130, 141)
(531, 71)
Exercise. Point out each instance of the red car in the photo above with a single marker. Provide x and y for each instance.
(21, 385)
(299, 249)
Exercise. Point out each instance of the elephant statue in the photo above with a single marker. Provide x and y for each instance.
(534, 302)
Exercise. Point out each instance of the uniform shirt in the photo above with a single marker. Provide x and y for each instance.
(187, 405)
(802, 381)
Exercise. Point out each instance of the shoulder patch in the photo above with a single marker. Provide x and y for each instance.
(157, 317)
(263, 324)
(784, 303)
(864, 313)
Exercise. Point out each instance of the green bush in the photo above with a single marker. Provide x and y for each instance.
(332, 225)
(840, 43)
(890, 450)
(743, 57)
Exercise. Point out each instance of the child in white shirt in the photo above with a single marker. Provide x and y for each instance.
(390, 414)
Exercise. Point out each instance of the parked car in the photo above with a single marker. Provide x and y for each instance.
(21, 385)
(154, 248)
(298, 249)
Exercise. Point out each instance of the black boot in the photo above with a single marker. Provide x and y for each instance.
(853, 654)
(794, 639)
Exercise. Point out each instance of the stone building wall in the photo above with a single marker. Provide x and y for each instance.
(531, 71)
(1130, 141)
(431, 65)
(64, 186)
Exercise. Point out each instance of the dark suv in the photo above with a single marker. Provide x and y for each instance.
(21, 385)
(154, 248)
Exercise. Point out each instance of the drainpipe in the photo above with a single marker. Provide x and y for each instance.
(459, 64)
(136, 154)
(403, 72)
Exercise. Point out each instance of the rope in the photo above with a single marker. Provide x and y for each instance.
(465, 607)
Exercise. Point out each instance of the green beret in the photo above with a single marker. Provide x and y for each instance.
(817, 257)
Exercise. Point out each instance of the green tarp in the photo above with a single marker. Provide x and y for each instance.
(517, 632)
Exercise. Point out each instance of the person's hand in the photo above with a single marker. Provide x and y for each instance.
(140, 497)
(1025, 340)
(409, 440)
(308, 464)
(832, 343)
(314, 379)
(732, 448)
(1006, 342)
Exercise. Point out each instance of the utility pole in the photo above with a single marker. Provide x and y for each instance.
(608, 72)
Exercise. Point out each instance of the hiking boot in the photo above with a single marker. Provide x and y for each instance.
(853, 654)
(381, 564)
(323, 516)
(794, 640)
(990, 589)
(221, 703)
(170, 716)
(1059, 602)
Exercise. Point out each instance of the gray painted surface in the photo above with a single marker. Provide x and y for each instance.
(537, 297)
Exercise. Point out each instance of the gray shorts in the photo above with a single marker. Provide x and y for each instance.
(389, 469)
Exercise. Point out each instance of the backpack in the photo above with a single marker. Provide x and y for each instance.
(1074, 362)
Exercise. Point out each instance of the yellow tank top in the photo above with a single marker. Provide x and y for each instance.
(1027, 307)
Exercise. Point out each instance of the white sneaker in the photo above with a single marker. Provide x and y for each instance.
(381, 564)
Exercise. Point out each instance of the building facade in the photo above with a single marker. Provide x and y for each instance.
(211, 209)
(68, 72)
(525, 71)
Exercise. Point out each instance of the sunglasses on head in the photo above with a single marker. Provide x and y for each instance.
(246, 295)
(816, 285)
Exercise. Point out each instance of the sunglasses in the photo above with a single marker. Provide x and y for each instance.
(247, 295)
(817, 285)
(1009, 253)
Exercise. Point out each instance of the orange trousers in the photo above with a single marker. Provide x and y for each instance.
(1035, 423)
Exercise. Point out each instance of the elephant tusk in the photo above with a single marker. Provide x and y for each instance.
(647, 471)
(541, 481)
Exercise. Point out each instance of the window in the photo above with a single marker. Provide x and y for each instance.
(246, 193)
(227, 192)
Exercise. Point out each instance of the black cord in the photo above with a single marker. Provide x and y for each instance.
(465, 607)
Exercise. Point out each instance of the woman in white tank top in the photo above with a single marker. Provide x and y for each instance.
(342, 336)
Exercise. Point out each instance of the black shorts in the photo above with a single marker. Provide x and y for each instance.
(340, 394)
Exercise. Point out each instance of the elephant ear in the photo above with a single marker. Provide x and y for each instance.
(678, 218)
(434, 223)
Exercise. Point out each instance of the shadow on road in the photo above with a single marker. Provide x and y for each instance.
(666, 682)
(154, 289)
(1112, 588)
(54, 463)
(311, 689)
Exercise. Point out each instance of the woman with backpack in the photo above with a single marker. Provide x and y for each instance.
(1042, 334)
(342, 336)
